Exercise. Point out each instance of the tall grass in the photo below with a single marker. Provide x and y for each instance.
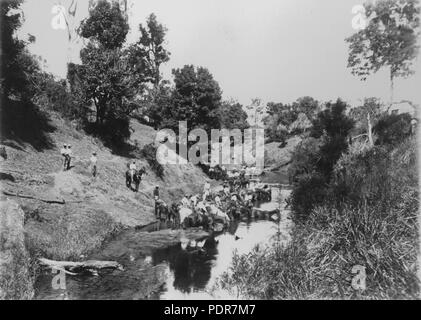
(375, 227)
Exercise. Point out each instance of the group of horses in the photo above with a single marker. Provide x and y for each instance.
(209, 216)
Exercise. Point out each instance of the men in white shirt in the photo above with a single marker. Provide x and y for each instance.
(226, 190)
(248, 196)
(93, 160)
(63, 152)
(185, 202)
(132, 168)
(193, 200)
(201, 207)
(207, 186)
(218, 201)
(69, 156)
(206, 190)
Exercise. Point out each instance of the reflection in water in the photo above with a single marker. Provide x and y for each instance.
(191, 268)
(192, 274)
(170, 272)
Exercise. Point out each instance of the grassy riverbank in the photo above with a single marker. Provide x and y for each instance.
(379, 233)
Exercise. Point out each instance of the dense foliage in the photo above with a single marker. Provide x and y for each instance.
(285, 120)
(232, 116)
(313, 160)
(17, 64)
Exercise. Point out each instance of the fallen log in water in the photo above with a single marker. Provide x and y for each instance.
(71, 265)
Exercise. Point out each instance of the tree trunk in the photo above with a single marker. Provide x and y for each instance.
(369, 133)
(391, 87)
(71, 265)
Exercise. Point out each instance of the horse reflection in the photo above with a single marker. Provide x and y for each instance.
(191, 267)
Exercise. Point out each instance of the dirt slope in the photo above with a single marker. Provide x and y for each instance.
(94, 208)
(277, 160)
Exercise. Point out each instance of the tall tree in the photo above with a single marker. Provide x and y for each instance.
(233, 116)
(106, 25)
(151, 42)
(111, 77)
(17, 66)
(389, 40)
(196, 99)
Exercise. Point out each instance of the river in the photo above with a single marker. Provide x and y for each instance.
(158, 266)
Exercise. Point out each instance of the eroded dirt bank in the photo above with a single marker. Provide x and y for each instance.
(94, 209)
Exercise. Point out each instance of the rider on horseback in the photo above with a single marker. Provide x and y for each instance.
(132, 169)
(134, 176)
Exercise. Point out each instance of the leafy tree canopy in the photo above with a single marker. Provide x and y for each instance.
(389, 40)
(17, 64)
(233, 116)
(151, 46)
(196, 99)
(106, 25)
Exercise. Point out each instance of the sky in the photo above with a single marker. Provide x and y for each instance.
(275, 50)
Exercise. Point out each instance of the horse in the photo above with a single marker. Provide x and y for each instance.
(173, 216)
(137, 177)
(263, 194)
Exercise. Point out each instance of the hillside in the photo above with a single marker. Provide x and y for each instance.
(94, 207)
(277, 160)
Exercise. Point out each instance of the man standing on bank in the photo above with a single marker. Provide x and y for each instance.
(93, 160)
(68, 156)
(156, 197)
(63, 152)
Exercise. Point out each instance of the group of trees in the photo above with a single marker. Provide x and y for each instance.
(114, 76)
(124, 80)
(115, 80)
(283, 120)
(333, 131)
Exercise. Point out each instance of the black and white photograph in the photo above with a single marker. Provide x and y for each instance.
(217, 150)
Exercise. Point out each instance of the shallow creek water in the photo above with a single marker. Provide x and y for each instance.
(158, 266)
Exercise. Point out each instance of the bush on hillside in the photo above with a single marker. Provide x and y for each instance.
(313, 161)
(304, 158)
(393, 129)
(335, 125)
(380, 235)
(148, 152)
(52, 95)
(114, 131)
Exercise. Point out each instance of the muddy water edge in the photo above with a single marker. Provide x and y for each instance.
(170, 264)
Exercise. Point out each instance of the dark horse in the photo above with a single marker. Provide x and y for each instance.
(137, 177)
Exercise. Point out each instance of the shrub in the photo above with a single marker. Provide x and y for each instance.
(113, 131)
(52, 95)
(393, 129)
(307, 193)
(149, 153)
(304, 158)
